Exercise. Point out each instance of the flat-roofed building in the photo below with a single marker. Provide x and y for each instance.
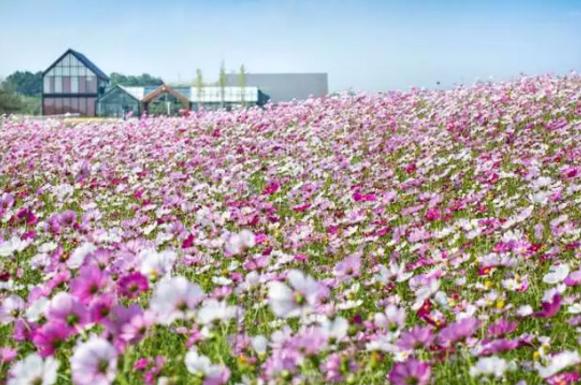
(284, 87)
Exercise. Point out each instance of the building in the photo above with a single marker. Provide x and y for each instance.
(72, 84)
(284, 87)
(75, 85)
(120, 100)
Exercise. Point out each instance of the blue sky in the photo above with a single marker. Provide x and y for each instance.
(364, 45)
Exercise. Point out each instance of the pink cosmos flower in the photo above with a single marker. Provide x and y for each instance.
(90, 282)
(67, 309)
(132, 284)
(94, 362)
(416, 338)
(549, 308)
(458, 331)
(349, 267)
(50, 336)
(411, 371)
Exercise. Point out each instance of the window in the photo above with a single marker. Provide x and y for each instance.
(91, 106)
(67, 84)
(49, 106)
(58, 84)
(75, 84)
(47, 86)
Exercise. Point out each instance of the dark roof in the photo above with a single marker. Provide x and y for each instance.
(83, 59)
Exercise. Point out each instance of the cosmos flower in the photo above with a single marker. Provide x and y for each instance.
(201, 366)
(299, 297)
(132, 284)
(94, 362)
(557, 363)
(212, 310)
(33, 370)
(490, 366)
(411, 371)
(175, 298)
(457, 331)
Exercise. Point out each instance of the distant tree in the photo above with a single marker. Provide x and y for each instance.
(199, 84)
(134, 81)
(10, 102)
(222, 82)
(242, 84)
(24, 83)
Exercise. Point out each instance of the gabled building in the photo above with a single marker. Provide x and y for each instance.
(72, 84)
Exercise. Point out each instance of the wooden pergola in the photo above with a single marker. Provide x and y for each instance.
(164, 89)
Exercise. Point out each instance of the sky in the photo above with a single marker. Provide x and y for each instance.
(368, 45)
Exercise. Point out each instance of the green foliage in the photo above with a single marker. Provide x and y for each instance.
(132, 80)
(10, 102)
(24, 83)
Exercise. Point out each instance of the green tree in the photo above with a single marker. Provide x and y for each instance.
(242, 84)
(222, 82)
(24, 83)
(135, 81)
(10, 102)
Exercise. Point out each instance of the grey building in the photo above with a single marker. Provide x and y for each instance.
(284, 87)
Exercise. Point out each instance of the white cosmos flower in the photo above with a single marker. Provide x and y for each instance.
(33, 370)
(175, 298)
(94, 362)
(201, 365)
(238, 242)
(490, 366)
(394, 272)
(10, 307)
(259, 344)
(37, 309)
(155, 265)
(336, 328)
(556, 274)
(213, 310)
(79, 254)
(14, 244)
(558, 362)
(295, 300)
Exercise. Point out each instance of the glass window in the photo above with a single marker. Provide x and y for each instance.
(83, 106)
(74, 105)
(58, 106)
(58, 84)
(46, 86)
(91, 84)
(82, 84)
(48, 106)
(75, 84)
(66, 84)
(91, 106)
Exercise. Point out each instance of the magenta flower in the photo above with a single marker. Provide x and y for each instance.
(50, 336)
(67, 309)
(132, 284)
(501, 328)
(457, 331)
(409, 372)
(90, 282)
(349, 267)
(416, 338)
(549, 309)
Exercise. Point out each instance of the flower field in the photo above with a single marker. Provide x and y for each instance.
(421, 237)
